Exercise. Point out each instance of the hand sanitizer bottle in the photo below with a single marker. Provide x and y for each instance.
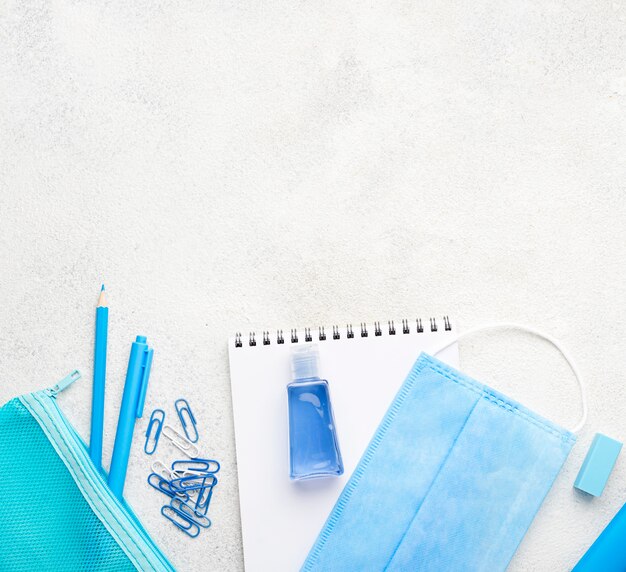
(313, 446)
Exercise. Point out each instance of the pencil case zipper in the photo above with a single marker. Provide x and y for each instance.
(116, 515)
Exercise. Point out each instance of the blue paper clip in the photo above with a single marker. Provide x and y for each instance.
(158, 420)
(183, 522)
(193, 482)
(204, 499)
(181, 410)
(195, 466)
(190, 513)
(163, 485)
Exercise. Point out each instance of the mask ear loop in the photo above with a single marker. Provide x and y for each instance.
(547, 338)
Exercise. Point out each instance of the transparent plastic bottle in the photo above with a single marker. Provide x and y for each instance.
(313, 445)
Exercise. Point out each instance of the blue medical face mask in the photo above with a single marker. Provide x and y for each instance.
(451, 480)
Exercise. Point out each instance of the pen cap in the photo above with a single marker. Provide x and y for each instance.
(305, 362)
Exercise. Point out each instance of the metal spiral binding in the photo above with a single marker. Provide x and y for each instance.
(349, 331)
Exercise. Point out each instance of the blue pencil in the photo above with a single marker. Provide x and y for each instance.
(99, 375)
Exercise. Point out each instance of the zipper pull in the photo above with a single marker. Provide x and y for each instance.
(64, 383)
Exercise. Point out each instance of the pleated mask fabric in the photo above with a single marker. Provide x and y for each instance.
(452, 480)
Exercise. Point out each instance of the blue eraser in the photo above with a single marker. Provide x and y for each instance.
(598, 465)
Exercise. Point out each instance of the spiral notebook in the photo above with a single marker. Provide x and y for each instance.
(365, 367)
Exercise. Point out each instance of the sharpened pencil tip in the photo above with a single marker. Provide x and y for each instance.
(102, 299)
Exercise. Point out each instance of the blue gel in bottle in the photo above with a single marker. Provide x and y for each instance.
(313, 446)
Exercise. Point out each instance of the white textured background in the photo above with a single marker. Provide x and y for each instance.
(225, 166)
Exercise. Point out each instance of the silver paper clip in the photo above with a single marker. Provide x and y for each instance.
(180, 442)
(160, 468)
(186, 467)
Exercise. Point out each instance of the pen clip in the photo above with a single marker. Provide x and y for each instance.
(147, 364)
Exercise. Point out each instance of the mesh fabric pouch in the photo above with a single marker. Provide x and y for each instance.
(56, 510)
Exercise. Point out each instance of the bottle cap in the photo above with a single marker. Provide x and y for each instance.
(305, 362)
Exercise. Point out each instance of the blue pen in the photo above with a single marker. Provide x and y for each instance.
(99, 375)
(133, 401)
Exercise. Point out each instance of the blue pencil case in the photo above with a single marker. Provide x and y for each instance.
(56, 509)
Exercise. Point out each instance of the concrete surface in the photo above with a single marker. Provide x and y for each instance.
(233, 166)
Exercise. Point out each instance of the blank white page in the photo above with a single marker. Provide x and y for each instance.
(281, 518)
